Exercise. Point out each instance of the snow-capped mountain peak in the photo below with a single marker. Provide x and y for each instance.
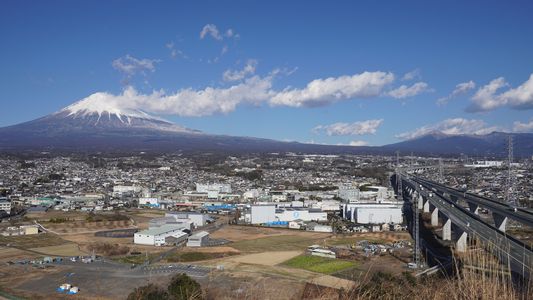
(102, 105)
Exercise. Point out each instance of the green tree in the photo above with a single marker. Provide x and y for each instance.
(183, 287)
(148, 292)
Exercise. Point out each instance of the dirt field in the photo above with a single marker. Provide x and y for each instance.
(83, 226)
(69, 249)
(32, 241)
(240, 233)
(11, 254)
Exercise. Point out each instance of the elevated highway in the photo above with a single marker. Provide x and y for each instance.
(459, 224)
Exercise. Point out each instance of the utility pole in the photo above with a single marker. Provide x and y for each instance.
(399, 188)
(441, 171)
(509, 195)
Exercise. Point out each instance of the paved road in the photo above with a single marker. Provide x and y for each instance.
(191, 270)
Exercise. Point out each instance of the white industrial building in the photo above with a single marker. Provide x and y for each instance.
(156, 236)
(260, 214)
(215, 187)
(198, 239)
(372, 213)
(5, 205)
(119, 190)
(149, 201)
(304, 214)
(197, 219)
(349, 193)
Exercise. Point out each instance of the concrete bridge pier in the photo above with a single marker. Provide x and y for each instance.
(447, 229)
(435, 217)
(461, 244)
(420, 201)
(500, 221)
(426, 205)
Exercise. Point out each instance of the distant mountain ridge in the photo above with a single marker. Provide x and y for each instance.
(492, 144)
(94, 124)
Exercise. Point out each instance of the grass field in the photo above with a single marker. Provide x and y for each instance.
(32, 241)
(319, 264)
(274, 243)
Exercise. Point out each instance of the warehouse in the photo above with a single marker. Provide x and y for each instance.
(198, 239)
(260, 214)
(197, 219)
(364, 213)
(156, 236)
(304, 214)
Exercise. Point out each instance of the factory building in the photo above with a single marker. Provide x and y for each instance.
(264, 214)
(199, 239)
(371, 213)
(119, 190)
(260, 214)
(158, 222)
(157, 236)
(5, 205)
(149, 201)
(304, 214)
(349, 193)
(197, 219)
(215, 187)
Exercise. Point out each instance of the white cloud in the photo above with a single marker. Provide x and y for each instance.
(230, 33)
(255, 90)
(211, 30)
(129, 65)
(487, 98)
(356, 128)
(415, 74)
(236, 75)
(174, 52)
(333, 89)
(451, 127)
(461, 88)
(358, 143)
(405, 91)
(523, 127)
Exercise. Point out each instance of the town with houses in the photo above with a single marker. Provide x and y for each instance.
(175, 205)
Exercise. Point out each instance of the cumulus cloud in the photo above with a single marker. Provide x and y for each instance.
(460, 89)
(487, 97)
(333, 89)
(356, 128)
(523, 127)
(212, 31)
(236, 75)
(415, 74)
(253, 89)
(405, 91)
(452, 127)
(129, 65)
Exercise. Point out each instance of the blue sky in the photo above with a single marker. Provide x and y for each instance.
(54, 53)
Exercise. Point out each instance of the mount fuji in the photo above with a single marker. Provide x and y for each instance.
(97, 124)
